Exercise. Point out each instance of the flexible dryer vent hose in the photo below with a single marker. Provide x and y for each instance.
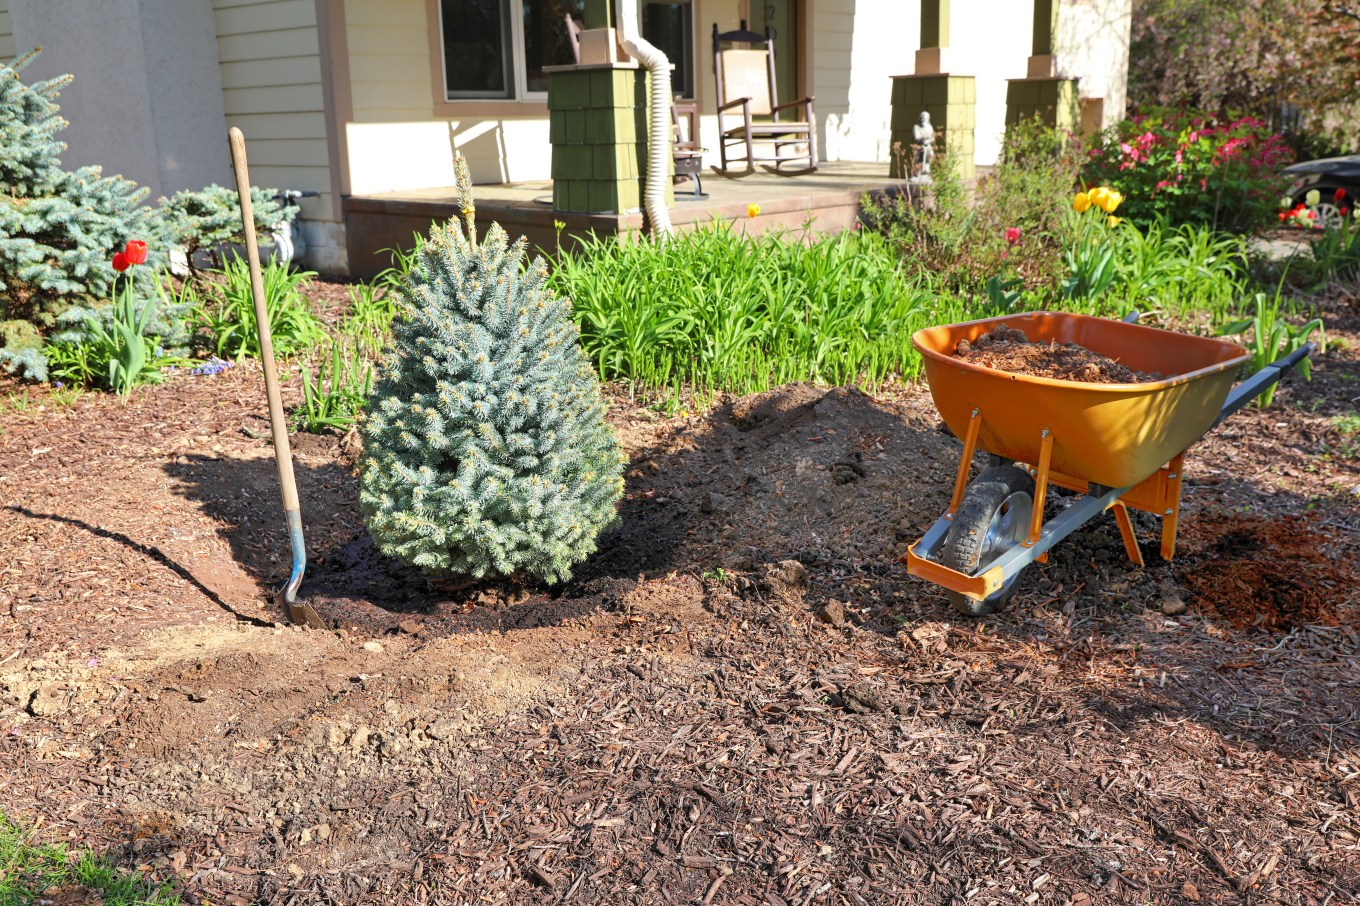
(658, 115)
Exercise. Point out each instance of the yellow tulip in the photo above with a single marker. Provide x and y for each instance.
(752, 210)
(1081, 202)
(1112, 221)
(1105, 198)
(1313, 197)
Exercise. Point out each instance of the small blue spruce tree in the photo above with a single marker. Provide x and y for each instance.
(485, 446)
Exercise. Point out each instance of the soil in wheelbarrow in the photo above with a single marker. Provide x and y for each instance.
(1007, 349)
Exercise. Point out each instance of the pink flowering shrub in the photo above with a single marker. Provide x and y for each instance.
(1186, 166)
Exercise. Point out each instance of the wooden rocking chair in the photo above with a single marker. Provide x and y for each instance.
(746, 84)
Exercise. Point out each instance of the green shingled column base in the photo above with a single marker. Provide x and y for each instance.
(951, 102)
(1052, 101)
(598, 129)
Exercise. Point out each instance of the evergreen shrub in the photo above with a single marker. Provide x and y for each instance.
(208, 219)
(485, 446)
(57, 227)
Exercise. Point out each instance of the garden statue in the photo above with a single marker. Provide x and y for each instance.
(924, 133)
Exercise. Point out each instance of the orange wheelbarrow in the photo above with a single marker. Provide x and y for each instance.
(1121, 445)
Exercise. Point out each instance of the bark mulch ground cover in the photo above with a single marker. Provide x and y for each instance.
(741, 699)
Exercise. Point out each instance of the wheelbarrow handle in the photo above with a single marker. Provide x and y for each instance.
(1251, 388)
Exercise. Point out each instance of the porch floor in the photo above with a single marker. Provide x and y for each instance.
(829, 200)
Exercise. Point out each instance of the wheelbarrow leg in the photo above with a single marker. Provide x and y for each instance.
(1121, 516)
(966, 461)
(1040, 488)
(1171, 515)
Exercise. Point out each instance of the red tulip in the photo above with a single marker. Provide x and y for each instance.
(1012, 235)
(135, 251)
(1345, 211)
(1339, 196)
(120, 262)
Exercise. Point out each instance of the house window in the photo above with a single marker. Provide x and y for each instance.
(669, 25)
(490, 53)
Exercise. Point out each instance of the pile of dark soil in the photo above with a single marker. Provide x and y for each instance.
(1275, 574)
(1007, 349)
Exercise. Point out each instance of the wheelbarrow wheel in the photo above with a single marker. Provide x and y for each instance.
(993, 518)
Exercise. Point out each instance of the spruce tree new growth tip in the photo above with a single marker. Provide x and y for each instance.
(485, 446)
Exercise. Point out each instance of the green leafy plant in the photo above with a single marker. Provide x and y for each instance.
(1272, 337)
(335, 398)
(1186, 270)
(1190, 166)
(369, 319)
(64, 397)
(114, 348)
(1004, 295)
(227, 314)
(392, 278)
(1336, 251)
(716, 309)
(1348, 427)
(958, 237)
(486, 451)
(1089, 244)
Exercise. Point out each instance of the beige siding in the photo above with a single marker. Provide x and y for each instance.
(396, 141)
(271, 88)
(389, 60)
(7, 50)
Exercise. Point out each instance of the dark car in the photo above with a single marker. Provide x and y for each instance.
(1328, 176)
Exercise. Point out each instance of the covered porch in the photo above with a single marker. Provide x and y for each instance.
(826, 201)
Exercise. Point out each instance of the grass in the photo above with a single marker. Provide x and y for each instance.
(19, 401)
(718, 310)
(29, 867)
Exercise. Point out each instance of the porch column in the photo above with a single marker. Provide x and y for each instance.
(599, 14)
(598, 129)
(949, 99)
(1043, 93)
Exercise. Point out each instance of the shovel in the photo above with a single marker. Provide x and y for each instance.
(298, 612)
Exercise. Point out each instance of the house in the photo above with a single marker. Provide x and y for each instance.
(360, 99)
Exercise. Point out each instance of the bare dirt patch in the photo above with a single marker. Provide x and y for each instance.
(742, 698)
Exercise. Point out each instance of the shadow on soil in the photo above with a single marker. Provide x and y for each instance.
(152, 553)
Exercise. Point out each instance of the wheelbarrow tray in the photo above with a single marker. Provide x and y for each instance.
(1115, 435)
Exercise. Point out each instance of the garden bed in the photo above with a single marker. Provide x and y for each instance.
(742, 698)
